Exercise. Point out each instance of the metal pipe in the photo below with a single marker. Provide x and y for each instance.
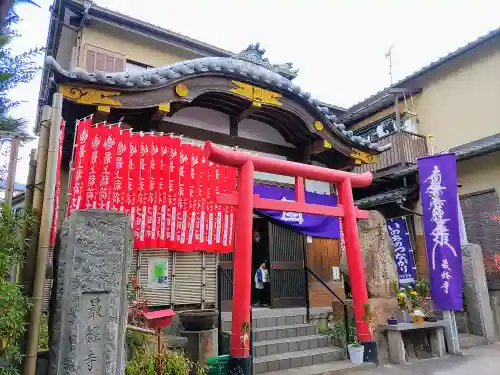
(142, 330)
(11, 176)
(219, 309)
(27, 269)
(44, 239)
(286, 168)
(400, 205)
(37, 206)
(306, 283)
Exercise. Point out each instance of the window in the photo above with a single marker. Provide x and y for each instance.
(136, 67)
(378, 129)
(100, 59)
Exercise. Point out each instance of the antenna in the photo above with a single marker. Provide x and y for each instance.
(388, 55)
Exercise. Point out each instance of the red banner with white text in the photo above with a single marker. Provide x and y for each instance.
(169, 188)
(55, 215)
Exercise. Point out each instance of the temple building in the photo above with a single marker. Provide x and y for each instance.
(152, 80)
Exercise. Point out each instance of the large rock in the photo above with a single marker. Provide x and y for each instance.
(89, 304)
(378, 257)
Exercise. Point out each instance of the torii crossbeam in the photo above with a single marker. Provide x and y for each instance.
(246, 201)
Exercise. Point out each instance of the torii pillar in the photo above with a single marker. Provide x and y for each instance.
(246, 201)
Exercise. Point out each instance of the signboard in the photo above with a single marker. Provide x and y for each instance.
(438, 186)
(157, 273)
(310, 225)
(403, 252)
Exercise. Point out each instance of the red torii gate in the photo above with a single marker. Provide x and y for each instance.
(246, 201)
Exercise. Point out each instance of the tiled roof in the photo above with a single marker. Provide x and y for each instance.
(385, 197)
(248, 64)
(433, 65)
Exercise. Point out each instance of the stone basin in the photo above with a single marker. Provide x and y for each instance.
(198, 320)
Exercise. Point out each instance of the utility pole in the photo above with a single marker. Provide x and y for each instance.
(388, 56)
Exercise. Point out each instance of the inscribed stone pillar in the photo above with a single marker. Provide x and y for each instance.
(477, 298)
(89, 304)
(378, 257)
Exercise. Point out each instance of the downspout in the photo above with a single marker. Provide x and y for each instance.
(400, 205)
(86, 10)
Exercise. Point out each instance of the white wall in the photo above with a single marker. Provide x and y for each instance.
(208, 119)
(256, 130)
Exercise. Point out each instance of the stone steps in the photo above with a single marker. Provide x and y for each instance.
(333, 368)
(284, 332)
(283, 341)
(292, 344)
(285, 361)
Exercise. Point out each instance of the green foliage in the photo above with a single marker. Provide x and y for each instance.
(422, 288)
(43, 338)
(336, 330)
(15, 70)
(142, 357)
(12, 16)
(14, 304)
(355, 344)
(171, 362)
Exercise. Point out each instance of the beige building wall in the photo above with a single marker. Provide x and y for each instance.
(135, 47)
(478, 174)
(460, 101)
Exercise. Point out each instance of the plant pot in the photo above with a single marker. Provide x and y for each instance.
(392, 322)
(198, 320)
(418, 319)
(404, 317)
(356, 354)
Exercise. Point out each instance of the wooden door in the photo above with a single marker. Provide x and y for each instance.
(481, 211)
(286, 258)
(226, 285)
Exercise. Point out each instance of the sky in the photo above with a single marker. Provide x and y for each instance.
(339, 47)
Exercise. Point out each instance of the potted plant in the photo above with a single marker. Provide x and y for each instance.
(356, 352)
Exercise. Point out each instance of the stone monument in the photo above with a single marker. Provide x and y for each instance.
(89, 304)
(376, 248)
(480, 316)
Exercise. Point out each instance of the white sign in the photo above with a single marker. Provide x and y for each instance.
(309, 239)
(336, 273)
(157, 273)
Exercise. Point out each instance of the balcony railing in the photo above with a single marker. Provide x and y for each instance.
(406, 148)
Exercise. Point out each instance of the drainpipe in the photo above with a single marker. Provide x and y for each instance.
(86, 9)
(400, 205)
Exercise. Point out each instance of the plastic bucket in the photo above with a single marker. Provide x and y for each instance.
(356, 354)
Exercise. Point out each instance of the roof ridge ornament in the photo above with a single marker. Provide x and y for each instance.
(254, 53)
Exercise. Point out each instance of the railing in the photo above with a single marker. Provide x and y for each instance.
(221, 274)
(406, 148)
(346, 312)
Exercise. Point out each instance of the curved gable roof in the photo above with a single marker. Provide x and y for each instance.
(249, 65)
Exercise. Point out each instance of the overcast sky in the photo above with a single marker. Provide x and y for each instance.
(338, 46)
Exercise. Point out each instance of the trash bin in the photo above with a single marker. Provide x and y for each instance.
(218, 365)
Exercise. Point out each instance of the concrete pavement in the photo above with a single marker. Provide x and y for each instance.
(479, 360)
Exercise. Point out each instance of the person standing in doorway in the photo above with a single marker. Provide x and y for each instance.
(262, 285)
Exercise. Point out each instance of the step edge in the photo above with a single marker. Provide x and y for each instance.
(334, 371)
(288, 339)
(302, 353)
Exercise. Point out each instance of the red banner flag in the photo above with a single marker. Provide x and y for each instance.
(162, 190)
(57, 191)
(168, 188)
(94, 168)
(121, 171)
(152, 198)
(109, 144)
(79, 165)
(173, 186)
